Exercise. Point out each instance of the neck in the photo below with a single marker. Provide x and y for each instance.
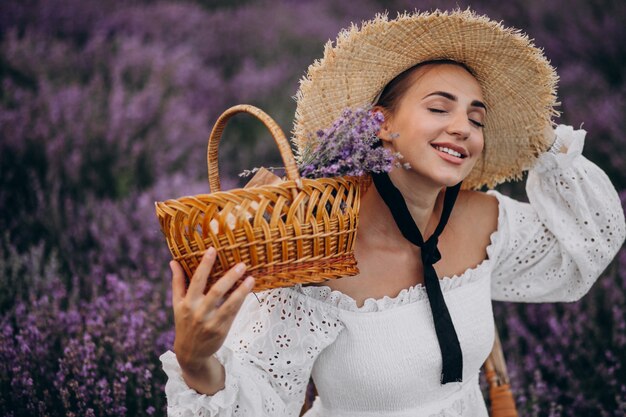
(423, 200)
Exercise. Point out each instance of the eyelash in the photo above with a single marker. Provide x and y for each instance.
(476, 123)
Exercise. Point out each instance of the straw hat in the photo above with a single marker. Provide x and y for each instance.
(518, 82)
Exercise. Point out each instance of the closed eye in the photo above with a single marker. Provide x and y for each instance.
(477, 123)
(474, 122)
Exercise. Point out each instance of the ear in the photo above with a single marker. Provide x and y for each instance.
(385, 128)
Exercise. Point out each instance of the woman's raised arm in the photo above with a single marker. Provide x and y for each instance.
(554, 248)
(203, 320)
(263, 365)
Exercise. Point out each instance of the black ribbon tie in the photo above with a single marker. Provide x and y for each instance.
(451, 355)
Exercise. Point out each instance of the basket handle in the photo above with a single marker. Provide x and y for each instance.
(496, 361)
(275, 130)
(500, 394)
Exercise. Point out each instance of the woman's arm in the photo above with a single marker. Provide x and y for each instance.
(202, 325)
(555, 247)
(262, 367)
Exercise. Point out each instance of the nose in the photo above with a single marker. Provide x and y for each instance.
(459, 126)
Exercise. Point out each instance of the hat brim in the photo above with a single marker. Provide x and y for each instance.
(517, 81)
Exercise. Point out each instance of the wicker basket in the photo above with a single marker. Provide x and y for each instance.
(299, 231)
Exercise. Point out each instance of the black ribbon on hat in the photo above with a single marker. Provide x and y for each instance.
(451, 355)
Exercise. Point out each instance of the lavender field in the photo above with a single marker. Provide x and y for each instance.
(105, 107)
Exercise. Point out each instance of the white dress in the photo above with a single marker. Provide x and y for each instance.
(382, 359)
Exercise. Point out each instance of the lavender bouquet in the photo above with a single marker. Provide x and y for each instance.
(350, 147)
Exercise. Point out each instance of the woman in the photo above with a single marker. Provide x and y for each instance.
(465, 101)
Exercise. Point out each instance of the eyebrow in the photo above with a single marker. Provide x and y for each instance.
(452, 97)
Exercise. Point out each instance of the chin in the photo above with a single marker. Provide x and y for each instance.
(440, 178)
(451, 178)
(448, 180)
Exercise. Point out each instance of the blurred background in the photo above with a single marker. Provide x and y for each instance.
(106, 106)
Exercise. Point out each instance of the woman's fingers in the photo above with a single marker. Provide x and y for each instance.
(178, 282)
(222, 285)
(218, 289)
(200, 277)
(227, 311)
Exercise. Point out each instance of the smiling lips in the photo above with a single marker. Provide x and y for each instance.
(450, 153)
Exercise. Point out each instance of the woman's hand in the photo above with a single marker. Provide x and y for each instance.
(202, 321)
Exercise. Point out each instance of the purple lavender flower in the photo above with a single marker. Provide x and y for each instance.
(349, 147)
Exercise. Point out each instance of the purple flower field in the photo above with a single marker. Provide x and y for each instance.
(106, 106)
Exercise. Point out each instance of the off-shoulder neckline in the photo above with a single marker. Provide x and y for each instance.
(413, 294)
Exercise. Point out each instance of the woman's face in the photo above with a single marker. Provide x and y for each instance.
(439, 122)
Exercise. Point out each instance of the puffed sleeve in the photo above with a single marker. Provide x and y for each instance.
(268, 357)
(554, 248)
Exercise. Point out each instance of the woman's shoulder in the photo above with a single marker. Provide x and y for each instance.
(470, 228)
(480, 207)
(301, 299)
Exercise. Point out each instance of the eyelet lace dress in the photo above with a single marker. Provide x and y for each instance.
(382, 359)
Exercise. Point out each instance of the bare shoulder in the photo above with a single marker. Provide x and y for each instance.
(468, 234)
(481, 207)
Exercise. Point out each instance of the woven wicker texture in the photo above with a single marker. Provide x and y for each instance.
(518, 82)
(298, 231)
